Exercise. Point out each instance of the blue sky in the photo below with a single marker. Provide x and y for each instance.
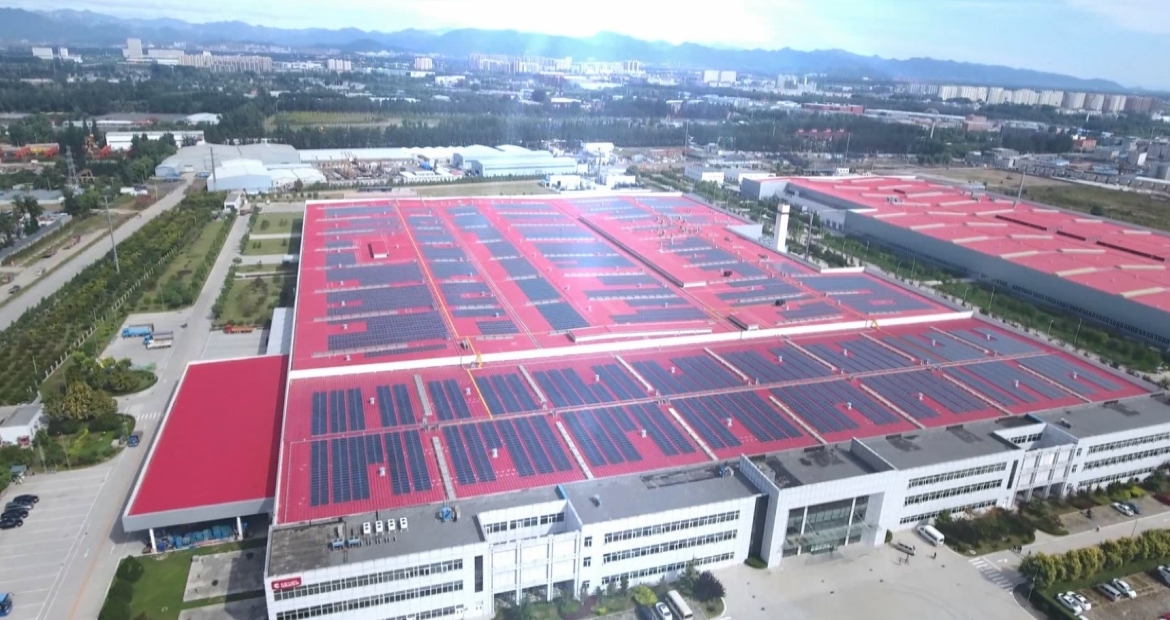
(1124, 40)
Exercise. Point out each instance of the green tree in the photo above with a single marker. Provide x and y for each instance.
(708, 587)
(523, 611)
(80, 402)
(30, 209)
(625, 584)
(686, 581)
(644, 596)
(9, 224)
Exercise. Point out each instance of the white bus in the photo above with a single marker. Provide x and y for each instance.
(932, 535)
(676, 602)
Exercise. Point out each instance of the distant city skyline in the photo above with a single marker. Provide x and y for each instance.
(1121, 40)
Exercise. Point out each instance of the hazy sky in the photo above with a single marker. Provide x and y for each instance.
(1124, 40)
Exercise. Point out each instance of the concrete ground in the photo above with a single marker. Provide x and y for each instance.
(1106, 516)
(870, 583)
(56, 533)
(222, 574)
(86, 574)
(136, 351)
(221, 346)
(282, 207)
(248, 609)
(73, 264)
(1153, 600)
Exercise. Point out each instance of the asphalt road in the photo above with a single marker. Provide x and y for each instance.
(49, 283)
(85, 574)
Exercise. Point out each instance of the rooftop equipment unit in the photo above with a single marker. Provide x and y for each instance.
(402, 524)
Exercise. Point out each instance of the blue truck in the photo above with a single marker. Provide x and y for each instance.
(5, 603)
(137, 331)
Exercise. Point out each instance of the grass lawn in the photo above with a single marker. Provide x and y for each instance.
(280, 268)
(276, 223)
(251, 300)
(261, 247)
(184, 265)
(1131, 207)
(352, 119)
(502, 188)
(165, 578)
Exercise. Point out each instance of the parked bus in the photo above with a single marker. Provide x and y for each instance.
(932, 535)
(676, 602)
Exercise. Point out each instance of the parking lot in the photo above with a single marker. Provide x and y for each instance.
(221, 346)
(871, 583)
(32, 556)
(1153, 600)
(136, 351)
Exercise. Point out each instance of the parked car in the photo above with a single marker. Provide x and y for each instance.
(1137, 510)
(7, 524)
(17, 509)
(1122, 508)
(13, 289)
(1123, 587)
(1109, 592)
(15, 504)
(1085, 603)
(662, 611)
(1164, 573)
(1070, 603)
(26, 499)
(908, 549)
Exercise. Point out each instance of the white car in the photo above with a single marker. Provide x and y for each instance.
(1073, 605)
(1080, 598)
(1164, 573)
(1122, 508)
(1124, 588)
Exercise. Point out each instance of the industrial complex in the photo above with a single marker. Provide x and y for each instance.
(1108, 272)
(485, 398)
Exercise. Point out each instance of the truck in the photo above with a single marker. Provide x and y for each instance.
(5, 603)
(138, 331)
(134, 439)
(238, 329)
(159, 340)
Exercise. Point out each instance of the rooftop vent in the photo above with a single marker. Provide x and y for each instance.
(596, 499)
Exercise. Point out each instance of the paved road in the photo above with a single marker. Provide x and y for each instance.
(80, 588)
(49, 283)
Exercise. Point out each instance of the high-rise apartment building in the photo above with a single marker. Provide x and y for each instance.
(1113, 103)
(424, 63)
(1094, 102)
(1051, 97)
(133, 49)
(1073, 101)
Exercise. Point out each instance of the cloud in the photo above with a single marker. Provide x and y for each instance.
(1149, 16)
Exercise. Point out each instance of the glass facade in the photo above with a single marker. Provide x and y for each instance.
(824, 527)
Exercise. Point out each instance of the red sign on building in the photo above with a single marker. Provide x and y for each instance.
(285, 584)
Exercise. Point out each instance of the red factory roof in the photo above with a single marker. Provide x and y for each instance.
(1108, 256)
(362, 442)
(218, 442)
(388, 280)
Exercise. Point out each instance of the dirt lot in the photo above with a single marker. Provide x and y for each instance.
(1153, 600)
(502, 188)
(991, 177)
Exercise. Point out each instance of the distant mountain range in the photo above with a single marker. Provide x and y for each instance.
(80, 28)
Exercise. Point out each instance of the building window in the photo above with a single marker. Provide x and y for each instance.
(1115, 477)
(962, 473)
(588, 541)
(673, 526)
(335, 585)
(668, 568)
(1128, 443)
(930, 515)
(1125, 458)
(674, 545)
(971, 488)
(516, 524)
(365, 602)
(588, 562)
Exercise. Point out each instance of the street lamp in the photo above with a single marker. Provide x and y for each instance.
(1078, 336)
(1050, 327)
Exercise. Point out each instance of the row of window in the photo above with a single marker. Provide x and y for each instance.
(431, 613)
(673, 526)
(673, 545)
(1125, 458)
(515, 524)
(368, 580)
(970, 488)
(1115, 477)
(668, 568)
(1093, 315)
(934, 513)
(955, 475)
(369, 601)
(1022, 439)
(1126, 443)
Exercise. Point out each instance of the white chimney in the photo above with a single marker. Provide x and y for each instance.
(781, 231)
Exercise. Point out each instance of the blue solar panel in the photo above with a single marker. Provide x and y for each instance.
(442, 255)
(318, 424)
(661, 315)
(538, 289)
(375, 275)
(340, 259)
(366, 301)
(1070, 375)
(451, 270)
(906, 389)
(561, 316)
(470, 313)
(859, 355)
(629, 280)
(995, 342)
(397, 471)
(390, 329)
(788, 364)
(934, 347)
(591, 262)
(497, 328)
(318, 473)
(518, 268)
(821, 405)
(811, 311)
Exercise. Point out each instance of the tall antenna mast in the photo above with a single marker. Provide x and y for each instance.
(71, 168)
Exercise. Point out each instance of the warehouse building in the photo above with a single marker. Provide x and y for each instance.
(124, 140)
(762, 188)
(1110, 273)
(202, 158)
(430, 444)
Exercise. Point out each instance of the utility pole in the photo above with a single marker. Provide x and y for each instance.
(1020, 191)
(113, 243)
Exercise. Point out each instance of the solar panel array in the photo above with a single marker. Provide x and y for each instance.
(906, 391)
(859, 355)
(824, 406)
(530, 444)
(708, 416)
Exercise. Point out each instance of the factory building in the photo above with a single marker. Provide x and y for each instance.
(124, 140)
(1110, 273)
(409, 472)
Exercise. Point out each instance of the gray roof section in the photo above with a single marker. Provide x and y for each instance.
(944, 445)
(1105, 419)
(606, 499)
(280, 333)
(20, 415)
(299, 548)
(793, 468)
(199, 157)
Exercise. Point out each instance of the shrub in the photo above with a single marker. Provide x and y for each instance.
(600, 611)
(756, 562)
(130, 569)
(889, 537)
(568, 606)
(644, 596)
(708, 587)
(121, 590)
(115, 610)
